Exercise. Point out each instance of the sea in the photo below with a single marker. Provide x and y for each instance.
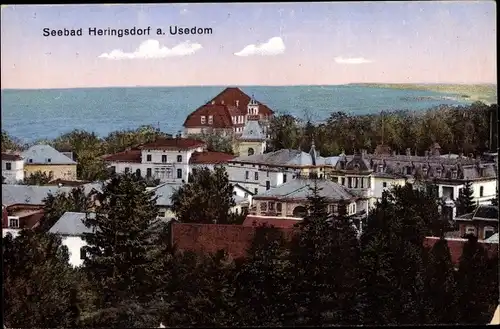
(31, 115)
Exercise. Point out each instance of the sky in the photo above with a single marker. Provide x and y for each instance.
(251, 44)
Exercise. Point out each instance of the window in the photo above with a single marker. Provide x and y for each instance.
(83, 253)
(161, 214)
(202, 119)
(284, 178)
(247, 174)
(8, 166)
(278, 207)
(138, 172)
(127, 169)
(49, 160)
(343, 181)
(148, 158)
(256, 176)
(179, 173)
(263, 206)
(438, 172)
(488, 231)
(349, 182)
(256, 190)
(384, 184)
(271, 206)
(481, 191)
(13, 222)
(30, 160)
(210, 119)
(470, 230)
(268, 185)
(112, 168)
(246, 195)
(408, 170)
(251, 151)
(179, 158)
(148, 172)
(164, 158)
(267, 173)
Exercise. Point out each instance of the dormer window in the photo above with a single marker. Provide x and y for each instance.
(210, 119)
(380, 168)
(438, 172)
(49, 160)
(30, 160)
(453, 174)
(13, 223)
(203, 119)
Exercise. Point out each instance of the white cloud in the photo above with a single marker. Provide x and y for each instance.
(352, 60)
(274, 46)
(152, 49)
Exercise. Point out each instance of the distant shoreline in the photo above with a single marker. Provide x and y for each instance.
(485, 93)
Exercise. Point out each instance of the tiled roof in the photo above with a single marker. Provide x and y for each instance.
(278, 222)
(129, 156)
(299, 189)
(71, 223)
(286, 157)
(34, 194)
(208, 157)
(221, 116)
(487, 212)
(173, 144)
(11, 157)
(230, 102)
(164, 193)
(45, 154)
(252, 131)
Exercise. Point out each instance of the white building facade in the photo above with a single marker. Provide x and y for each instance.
(12, 168)
(166, 160)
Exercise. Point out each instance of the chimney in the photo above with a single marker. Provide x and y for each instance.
(237, 103)
(408, 152)
(222, 102)
(213, 102)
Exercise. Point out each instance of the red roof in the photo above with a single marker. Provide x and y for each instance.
(173, 144)
(278, 222)
(456, 246)
(208, 157)
(130, 156)
(230, 102)
(11, 157)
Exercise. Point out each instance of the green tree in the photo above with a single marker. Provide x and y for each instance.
(121, 253)
(473, 286)
(266, 266)
(465, 202)
(393, 258)
(441, 287)
(10, 143)
(284, 133)
(38, 283)
(324, 255)
(38, 178)
(216, 142)
(56, 205)
(211, 192)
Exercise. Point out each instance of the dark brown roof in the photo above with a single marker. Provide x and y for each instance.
(230, 102)
(278, 222)
(131, 156)
(208, 157)
(173, 144)
(11, 157)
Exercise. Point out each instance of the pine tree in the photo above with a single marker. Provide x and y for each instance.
(122, 251)
(38, 282)
(211, 192)
(265, 266)
(473, 284)
(465, 201)
(323, 259)
(393, 256)
(441, 287)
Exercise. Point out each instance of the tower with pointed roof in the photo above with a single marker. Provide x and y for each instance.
(252, 108)
(253, 139)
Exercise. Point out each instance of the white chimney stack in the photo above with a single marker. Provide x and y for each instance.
(237, 103)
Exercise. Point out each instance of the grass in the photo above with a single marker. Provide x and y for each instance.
(486, 93)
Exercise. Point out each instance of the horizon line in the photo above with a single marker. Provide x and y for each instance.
(262, 85)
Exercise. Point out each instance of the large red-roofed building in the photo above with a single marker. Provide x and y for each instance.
(226, 113)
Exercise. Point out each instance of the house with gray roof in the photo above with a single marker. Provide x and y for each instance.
(48, 160)
(483, 222)
(289, 200)
(163, 194)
